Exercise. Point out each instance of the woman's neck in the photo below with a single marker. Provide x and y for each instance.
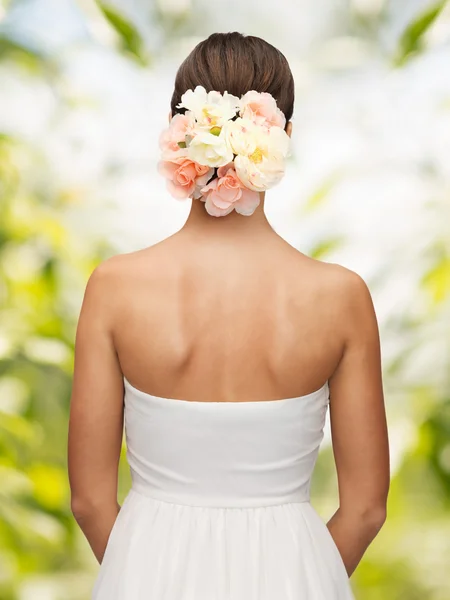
(231, 227)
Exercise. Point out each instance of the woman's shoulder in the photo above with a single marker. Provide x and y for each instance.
(341, 291)
(128, 264)
(349, 295)
(344, 280)
(329, 276)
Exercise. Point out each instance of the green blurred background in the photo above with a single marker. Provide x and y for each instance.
(84, 91)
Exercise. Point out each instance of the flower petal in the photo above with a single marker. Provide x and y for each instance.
(179, 192)
(247, 203)
(214, 211)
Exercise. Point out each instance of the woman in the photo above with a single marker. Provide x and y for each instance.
(222, 348)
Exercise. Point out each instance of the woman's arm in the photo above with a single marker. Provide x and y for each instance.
(358, 427)
(96, 414)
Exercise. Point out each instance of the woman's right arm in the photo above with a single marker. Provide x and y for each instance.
(358, 426)
(96, 413)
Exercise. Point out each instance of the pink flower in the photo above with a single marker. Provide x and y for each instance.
(183, 176)
(179, 127)
(261, 108)
(227, 192)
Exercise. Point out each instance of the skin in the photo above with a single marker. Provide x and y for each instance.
(226, 310)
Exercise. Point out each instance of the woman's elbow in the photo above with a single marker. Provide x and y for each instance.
(371, 517)
(82, 507)
(376, 517)
(85, 507)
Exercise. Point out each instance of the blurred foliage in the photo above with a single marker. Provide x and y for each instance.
(131, 40)
(41, 261)
(23, 57)
(412, 37)
(44, 266)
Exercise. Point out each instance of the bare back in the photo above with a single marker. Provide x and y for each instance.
(240, 316)
(226, 321)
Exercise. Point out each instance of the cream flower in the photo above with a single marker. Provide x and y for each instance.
(259, 176)
(208, 149)
(261, 153)
(241, 135)
(210, 109)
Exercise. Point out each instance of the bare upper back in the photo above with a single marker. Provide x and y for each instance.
(226, 321)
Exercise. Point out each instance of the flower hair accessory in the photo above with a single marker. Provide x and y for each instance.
(224, 150)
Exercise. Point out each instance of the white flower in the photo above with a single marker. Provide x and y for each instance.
(210, 150)
(260, 162)
(210, 109)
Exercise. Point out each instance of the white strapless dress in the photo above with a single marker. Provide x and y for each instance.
(219, 507)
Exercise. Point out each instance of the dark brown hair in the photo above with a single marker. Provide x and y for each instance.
(236, 63)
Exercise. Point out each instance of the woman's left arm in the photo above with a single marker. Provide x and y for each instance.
(96, 414)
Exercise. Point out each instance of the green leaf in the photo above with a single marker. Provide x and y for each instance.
(324, 248)
(437, 281)
(30, 60)
(322, 191)
(412, 38)
(130, 37)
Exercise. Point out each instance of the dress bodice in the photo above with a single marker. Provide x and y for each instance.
(219, 506)
(224, 453)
